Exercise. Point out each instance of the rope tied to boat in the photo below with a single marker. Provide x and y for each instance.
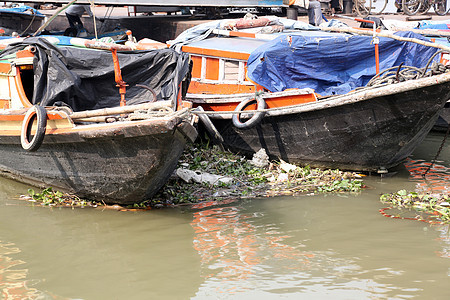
(31, 22)
(438, 152)
(404, 73)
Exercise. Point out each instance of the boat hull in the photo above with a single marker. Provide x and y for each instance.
(114, 164)
(375, 132)
(21, 23)
(443, 121)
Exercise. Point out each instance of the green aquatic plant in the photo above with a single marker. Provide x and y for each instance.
(50, 197)
(47, 197)
(342, 185)
(277, 178)
(434, 205)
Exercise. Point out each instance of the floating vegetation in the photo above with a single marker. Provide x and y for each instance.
(434, 209)
(237, 177)
(52, 198)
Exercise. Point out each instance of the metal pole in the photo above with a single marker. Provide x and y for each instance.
(292, 13)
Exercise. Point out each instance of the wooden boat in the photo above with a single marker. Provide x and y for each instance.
(363, 128)
(21, 19)
(52, 136)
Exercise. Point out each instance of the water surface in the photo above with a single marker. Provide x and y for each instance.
(308, 247)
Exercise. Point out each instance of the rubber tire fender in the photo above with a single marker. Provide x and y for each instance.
(212, 130)
(255, 119)
(40, 114)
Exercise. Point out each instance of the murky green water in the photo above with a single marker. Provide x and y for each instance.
(310, 247)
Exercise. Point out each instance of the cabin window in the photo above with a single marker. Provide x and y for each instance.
(219, 69)
(231, 70)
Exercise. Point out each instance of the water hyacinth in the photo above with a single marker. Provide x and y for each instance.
(436, 205)
(250, 180)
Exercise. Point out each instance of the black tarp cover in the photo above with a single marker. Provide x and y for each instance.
(84, 78)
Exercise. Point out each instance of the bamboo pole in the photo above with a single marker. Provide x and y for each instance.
(427, 32)
(387, 35)
(120, 110)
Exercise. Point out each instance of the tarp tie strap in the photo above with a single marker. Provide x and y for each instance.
(122, 85)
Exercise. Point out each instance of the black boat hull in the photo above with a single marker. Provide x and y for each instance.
(122, 165)
(369, 135)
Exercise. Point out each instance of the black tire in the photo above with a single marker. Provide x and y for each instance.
(212, 130)
(424, 7)
(38, 113)
(411, 7)
(439, 7)
(363, 7)
(382, 7)
(255, 119)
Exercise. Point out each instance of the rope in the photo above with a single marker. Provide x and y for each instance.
(438, 152)
(31, 22)
(93, 14)
(404, 73)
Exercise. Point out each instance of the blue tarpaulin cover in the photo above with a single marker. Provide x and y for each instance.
(22, 10)
(443, 25)
(334, 64)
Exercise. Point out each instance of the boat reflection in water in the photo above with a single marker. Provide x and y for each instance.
(13, 282)
(317, 246)
(233, 248)
(432, 178)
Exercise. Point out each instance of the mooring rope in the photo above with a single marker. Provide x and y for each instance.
(91, 2)
(31, 22)
(403, 73)
(438, 152)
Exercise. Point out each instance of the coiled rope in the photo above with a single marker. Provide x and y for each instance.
(403, 73)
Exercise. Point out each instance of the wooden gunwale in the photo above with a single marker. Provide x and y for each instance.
(229, 102)
(17, 115)
(167, 122)
(204, 98)
(216, 53)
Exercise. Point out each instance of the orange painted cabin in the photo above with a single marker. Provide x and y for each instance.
(219, 75)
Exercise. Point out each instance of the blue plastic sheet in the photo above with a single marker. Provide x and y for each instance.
(22, 10)
(333, 64)
(442, 25)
